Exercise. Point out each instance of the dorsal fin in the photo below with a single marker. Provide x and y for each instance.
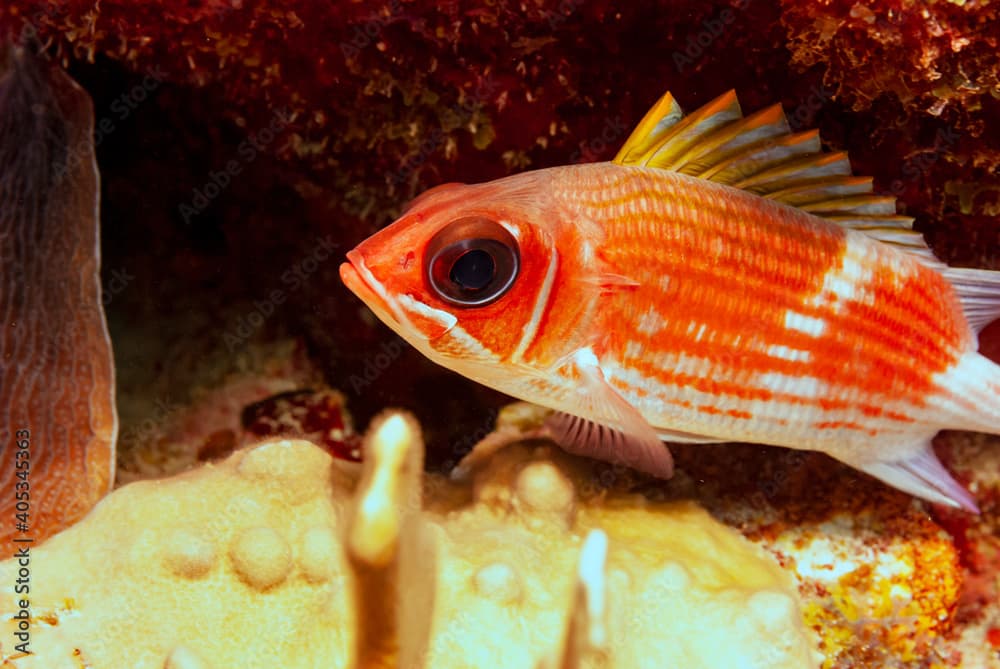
(979, 292)
(761, 154)
(665, 113)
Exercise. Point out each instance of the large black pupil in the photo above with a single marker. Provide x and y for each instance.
(473, 270)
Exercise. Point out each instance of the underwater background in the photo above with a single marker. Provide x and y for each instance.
(245, 147)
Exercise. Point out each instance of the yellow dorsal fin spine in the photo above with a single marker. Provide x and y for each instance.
(874, 205)
(665, 113)
(692, 130)
(760, 153)
(808, 191)
(766, 124)
(757, 158)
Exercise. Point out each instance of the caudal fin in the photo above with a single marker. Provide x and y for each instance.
(923, 475)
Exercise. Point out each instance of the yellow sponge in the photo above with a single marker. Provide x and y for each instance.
(281, 556)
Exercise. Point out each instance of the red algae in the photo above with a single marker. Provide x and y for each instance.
(318, 416)
(57, 411)
(478, 89)
(927, 75)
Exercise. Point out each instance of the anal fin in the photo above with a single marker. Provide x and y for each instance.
(923, 475)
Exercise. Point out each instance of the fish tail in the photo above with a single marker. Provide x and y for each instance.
(972, 385)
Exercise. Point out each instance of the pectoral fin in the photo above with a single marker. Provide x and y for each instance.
(923, 475)
(618, 433)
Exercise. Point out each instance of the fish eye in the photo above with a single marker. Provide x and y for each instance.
(472, 262)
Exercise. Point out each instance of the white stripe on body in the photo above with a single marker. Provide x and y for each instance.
(786, 423)
(970, 398)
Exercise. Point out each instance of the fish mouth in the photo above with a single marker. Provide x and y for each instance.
(360, 281)
(391, 309)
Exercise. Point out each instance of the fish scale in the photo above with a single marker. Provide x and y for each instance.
(729, 287)
(732, 387)
(721, 280)
(724, 307)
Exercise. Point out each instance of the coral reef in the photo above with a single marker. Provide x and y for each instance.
(318, 416)
(57, 411)
(207, 263)
(190, 408)
(889, 582)
(879, 580)
(316, 563)
(877, 584)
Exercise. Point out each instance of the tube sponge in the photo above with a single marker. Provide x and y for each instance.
(57, 376)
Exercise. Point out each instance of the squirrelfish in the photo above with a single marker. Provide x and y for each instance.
(722, 279)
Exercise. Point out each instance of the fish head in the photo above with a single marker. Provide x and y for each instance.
(460, 273)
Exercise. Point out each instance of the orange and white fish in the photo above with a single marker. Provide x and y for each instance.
(722, 279)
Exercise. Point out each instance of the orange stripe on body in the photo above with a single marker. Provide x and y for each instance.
(842, 425)
(739, 265)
